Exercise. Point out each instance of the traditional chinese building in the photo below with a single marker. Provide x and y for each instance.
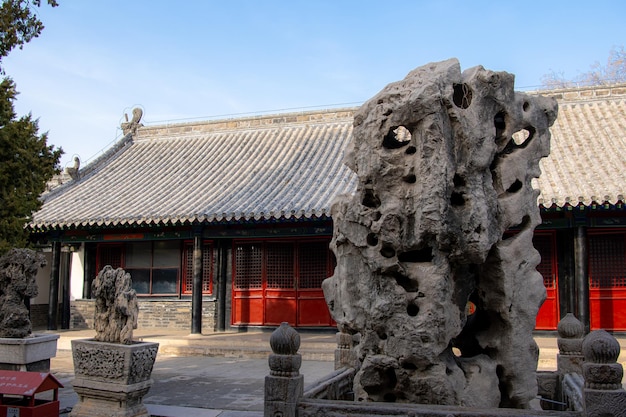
(225, 224)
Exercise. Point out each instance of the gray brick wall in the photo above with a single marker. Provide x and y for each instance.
(171, 314)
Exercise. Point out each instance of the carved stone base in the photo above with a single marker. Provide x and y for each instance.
(112, 379)
(29, 353)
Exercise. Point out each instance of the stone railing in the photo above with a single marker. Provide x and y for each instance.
(587, 382)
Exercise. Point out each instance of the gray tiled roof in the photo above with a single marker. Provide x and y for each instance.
(265, 167)
(588, 149)
(290, 165)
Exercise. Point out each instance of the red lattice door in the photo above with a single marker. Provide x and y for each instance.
(280, 286)
(313, 267)
(548, 315)
(277, 281)
(247, 304)
(607, 279)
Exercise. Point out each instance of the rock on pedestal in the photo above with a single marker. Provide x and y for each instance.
(28, 353)
(443, 297)
(111, 378)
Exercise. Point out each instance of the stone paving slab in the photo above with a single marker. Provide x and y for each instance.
(189, 383)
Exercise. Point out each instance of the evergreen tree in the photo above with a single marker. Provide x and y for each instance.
(27, 162)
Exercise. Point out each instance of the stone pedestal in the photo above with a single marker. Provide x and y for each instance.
(112, 379)
(284, 385)
(29, 353)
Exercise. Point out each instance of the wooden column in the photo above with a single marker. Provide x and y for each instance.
(89, 268)
(65, 264)
(581, 277)
(196, 297)
(53, 295)
(222, 282)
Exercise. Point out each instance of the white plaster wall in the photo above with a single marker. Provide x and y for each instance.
(43, 281)
(77, 273)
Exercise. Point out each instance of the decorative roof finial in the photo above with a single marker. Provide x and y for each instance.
(132, 126)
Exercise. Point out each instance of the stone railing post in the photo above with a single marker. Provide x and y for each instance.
(345, 357)
(570, 343)
(284, 385)
(603, 392)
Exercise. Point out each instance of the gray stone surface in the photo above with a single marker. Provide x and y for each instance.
(444, 162)
(112, 376)
(116, 306)
(28, 353)
(18, 273)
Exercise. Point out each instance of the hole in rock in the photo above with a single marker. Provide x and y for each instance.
(419, 255)
(377, 215)
(387, 251)
(411, 179)
(409, 285)
(499, 123)
(410, 150)
(410, 366)
(397, 137)
(515, 187)
(389, 397)
(380, 332)
(412, 309)
(526, 106)
(372, 240)
(456, 199)
(458, 180)
(462, 96)
(370, 199)
(523, 137)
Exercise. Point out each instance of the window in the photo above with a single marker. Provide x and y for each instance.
(207, 268)
(153, 266)
(282, 265)
(607, 260)
(248, 259)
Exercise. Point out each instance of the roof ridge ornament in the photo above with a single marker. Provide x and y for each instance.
(132, 126)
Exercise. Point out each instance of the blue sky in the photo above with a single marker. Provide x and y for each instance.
(196, 60)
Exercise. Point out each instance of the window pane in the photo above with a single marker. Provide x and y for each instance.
(110, 255)
(138, 255)
(313, 264)
(280, 272)
(248, 266)
(141, 280)
(166, 253)
(164, 281)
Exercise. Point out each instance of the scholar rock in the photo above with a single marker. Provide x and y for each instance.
(18, 272)
(116, 306)
(443, 297)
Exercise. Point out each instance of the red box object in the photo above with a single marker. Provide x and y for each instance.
(18, 394)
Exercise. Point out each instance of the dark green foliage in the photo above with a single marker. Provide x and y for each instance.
(18, 24)
(27, 163)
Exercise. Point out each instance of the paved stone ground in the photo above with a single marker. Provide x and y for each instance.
(230, 380)
(198, 382)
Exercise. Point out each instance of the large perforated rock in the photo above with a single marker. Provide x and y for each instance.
(18, 273)
(445, 161)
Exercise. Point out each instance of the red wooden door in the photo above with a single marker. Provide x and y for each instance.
(247, 299)
(548, 315)
(280, 284)
(607, 279)
(314, 265)
(277, 281)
